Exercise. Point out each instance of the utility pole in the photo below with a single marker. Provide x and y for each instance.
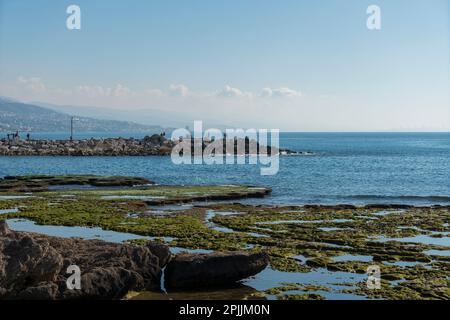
(72, 119)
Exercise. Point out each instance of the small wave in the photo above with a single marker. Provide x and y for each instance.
(400, 198)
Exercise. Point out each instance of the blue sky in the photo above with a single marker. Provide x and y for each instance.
(317, 60)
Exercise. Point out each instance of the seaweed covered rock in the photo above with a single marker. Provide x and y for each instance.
(205, 270)
(36, 183)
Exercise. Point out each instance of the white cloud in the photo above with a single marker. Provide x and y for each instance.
(35, 86)
(179, 90)
(33, 83)
(230, 92)
(280, 92)
(98, 91)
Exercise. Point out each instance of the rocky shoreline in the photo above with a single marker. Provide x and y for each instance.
(155, 145)
(149, 146)
(212, 243)
(34, 266)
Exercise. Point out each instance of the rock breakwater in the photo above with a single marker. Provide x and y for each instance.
(155, 145)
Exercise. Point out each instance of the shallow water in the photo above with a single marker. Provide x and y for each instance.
(351, 257)
(405, 264)
(13, 197)
(444, 253)
(387, 212)
(76, 232)
(128, 197)
(176, 250)
(332, 229)
(258, 235)
(90, 234)
(5, 211)
(171, 207)
(270, 278)
(303, 221)
(210, 214)
(424, 239)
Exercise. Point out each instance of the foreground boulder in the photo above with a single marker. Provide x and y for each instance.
(34, 266)
(216, 269)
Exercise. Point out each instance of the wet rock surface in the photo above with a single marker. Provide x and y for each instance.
(36, 183)
(206, 270)
(34, 266)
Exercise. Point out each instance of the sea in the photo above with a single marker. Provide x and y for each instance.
(350, 168)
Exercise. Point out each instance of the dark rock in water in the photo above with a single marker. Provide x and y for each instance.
(232, 292)
(154, 140)
(37, 183)
(106, 283)
(207, 270)
(388, 206)
(344, 207)
(378, 206)
(34, 266)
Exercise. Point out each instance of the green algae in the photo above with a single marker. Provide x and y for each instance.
(416, 289)
(286, 287)
(38, 183)
(308, 296)
(283, 232)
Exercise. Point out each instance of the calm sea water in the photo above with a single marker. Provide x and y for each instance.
(354, 168)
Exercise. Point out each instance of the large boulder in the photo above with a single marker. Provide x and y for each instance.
(205, 270)
(105, 283)
(154, 140)
(25, 263)
(34, 266)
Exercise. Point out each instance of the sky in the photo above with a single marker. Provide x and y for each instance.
(291, 65)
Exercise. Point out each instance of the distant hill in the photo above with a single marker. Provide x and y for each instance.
(142, 116)
(146, 116)
(15, 115)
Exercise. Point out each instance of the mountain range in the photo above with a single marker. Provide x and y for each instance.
(30, 117)
(146, 116)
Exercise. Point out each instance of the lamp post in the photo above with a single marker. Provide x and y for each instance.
(72, 119)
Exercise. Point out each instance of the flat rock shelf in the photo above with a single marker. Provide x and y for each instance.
(285, 252)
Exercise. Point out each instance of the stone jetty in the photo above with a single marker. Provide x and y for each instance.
(149, 146)
(155, 145)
